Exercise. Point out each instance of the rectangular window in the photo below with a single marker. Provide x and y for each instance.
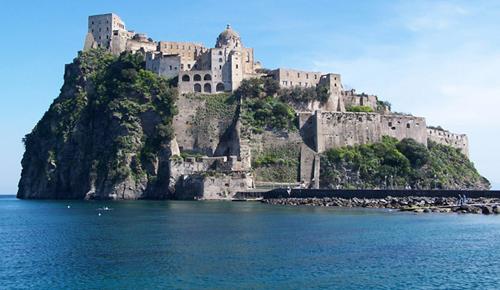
(307, 76)
(220, 66)
(298, 75)
(170, 67)
(236, 66)
(189, 65)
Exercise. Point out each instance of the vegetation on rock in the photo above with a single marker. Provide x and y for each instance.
(404, 164)
(277, 163)
(358, 109)
(106, 134)
(268, 114)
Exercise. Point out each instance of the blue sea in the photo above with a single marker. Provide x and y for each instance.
(234, 245)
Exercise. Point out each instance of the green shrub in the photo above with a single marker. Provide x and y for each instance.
(268, 114)
(390, 163)
(364, 109)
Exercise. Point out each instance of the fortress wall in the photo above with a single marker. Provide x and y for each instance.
(459, 141)
(288, 78)
(196, 129)
(187, 50)
(401, 126)
(134, 45)
(337, 129)
(165, 65)
(352, 99)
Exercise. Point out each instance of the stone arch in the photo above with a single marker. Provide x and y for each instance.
(207, 88)
(219, 87)
(197, 88)
(207, 77)
(196, 78)
(186, 78)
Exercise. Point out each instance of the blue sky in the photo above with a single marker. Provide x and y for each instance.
(437, 59)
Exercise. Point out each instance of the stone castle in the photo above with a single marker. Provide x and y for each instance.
(227, 148)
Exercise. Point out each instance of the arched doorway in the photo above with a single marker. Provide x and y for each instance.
(207, 88)
(197, 88)
(185, 78)
(197, 78)
(207, 77)
(219, 87)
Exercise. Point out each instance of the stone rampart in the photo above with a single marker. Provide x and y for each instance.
(459, 141)
(337, 129)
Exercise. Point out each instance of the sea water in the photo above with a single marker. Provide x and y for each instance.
(229, 245)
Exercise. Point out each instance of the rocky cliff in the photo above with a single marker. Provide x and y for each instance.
(105, 136)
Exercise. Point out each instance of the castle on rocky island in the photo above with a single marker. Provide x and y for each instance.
(199, 71)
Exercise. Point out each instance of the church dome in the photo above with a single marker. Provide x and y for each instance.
(228, 37)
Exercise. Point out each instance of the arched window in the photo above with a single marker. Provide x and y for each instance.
(220, 52)
(207, 77)
(197, 78)
(197, 88)
(207, 88)
(220, 59)
(219, 87)
(185, 78)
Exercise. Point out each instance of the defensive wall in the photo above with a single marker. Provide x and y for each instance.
(459, 141)
(326, 130)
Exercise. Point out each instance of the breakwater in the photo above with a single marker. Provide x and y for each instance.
(363, 193)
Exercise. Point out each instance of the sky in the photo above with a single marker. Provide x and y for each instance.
(436, 59)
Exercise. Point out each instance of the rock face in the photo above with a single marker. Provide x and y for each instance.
(106, 136)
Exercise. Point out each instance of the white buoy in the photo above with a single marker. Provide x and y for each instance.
(69, 206)
(99, 214)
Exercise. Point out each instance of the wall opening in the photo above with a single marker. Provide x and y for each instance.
(219, 87)
(197, 88)
(185, 78)
(197, 78)
(207, 77)
(207, 88)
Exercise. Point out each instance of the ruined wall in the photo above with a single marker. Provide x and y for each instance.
(186, 50)
(351, 98)
(206, 123)
(227, 185)
(164, 65)
(403, 126)
(459, 141)
(140, 44)
(337, 129)
(208, 177)
(288, 78)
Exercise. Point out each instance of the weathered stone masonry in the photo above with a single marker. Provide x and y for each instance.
(226, 167)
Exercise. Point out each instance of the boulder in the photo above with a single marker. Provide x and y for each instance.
(487, 209)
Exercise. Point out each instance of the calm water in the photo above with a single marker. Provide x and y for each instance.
(224, 245)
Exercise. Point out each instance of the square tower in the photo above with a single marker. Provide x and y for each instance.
(101, 27)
